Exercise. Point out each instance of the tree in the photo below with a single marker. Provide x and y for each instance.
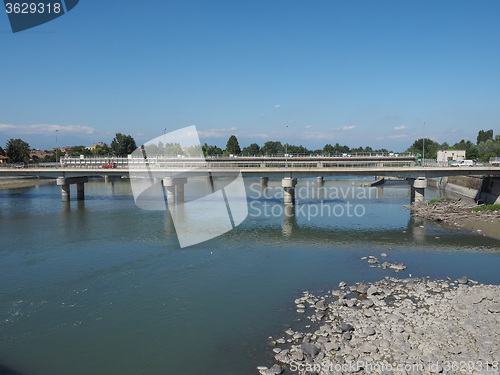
(431, 148)
(472, 153)
(123, 144)
(253, 149)
(272, 148)
(232, 146)
(463, 145)
(210, 150)
(78, 150)
(483, 136)
(17, 150)
(1, 151)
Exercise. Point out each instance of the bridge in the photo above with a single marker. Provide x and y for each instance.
(175, 170)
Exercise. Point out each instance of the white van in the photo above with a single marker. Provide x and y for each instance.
(463, 163)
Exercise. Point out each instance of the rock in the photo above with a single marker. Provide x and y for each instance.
(494, 308)
(463, 280)
(298, 355)
(342, 285)
(309, 349)
(372, 290)
(362, 289)
(384, 344)
(368, 348)
(370, 331)
(346, 327)
(276, 369)
(321, 305)
(383, 255)
(289, 332)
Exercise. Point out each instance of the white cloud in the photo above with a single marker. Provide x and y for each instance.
(400, 127)
(344, 128)
(307, 127)
(218, 133)
(44, 129)
(396, 136)
(277, 106)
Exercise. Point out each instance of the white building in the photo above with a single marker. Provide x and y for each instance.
(451, 155)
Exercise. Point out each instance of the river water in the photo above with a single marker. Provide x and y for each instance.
(102, 287)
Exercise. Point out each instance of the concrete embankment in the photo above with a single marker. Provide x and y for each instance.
(485, 189)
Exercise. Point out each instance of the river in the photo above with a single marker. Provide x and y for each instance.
(102, 287)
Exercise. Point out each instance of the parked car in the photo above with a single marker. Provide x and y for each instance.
(109, 165)
(21, 164)
(463, 163)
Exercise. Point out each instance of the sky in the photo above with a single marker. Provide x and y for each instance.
(356, 72)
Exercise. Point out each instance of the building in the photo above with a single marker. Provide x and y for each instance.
(450, 155)
(3, 159)
(38, 154)
(98, 144)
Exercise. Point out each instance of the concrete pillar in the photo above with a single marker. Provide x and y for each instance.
(169, 185)
(175, 189)
(180, 193)
(179, 187)
(211, 183)
(288, 185)
(106, 179)
(263, 182)
(319, 187)
(418, 186)
(65, 193)
(65, 182)
(80, 191)
(319, 182)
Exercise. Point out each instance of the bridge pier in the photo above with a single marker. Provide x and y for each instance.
(417, 186)
(263, 182)
(288, 185)
(173, 186)
(65, 183)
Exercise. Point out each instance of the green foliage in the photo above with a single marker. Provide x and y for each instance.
(17, 150)
(472, 153)
(488, 207)
(432, 201)
(232, 146)
(463, 145)
(253, 149)
(272, 148)
(484, 135)
(78, 150)
(337, 149)
(431, 148)
(123, 145)
(297, 150)
(194, 151)
(210, 150)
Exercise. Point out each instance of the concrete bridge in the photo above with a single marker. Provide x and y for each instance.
(175, 171)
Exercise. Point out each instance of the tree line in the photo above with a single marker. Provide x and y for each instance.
(277, 148)
(18, 150)
(487, 145)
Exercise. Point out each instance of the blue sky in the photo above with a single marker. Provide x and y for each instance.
(357, 72)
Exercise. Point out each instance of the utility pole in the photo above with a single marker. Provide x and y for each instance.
(57, 149)
(423, 147)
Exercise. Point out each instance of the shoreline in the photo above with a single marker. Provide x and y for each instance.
(7, 183)
(456, 214)
(394, 326)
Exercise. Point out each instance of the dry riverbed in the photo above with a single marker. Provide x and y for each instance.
(16, 183)
(459, 215)
(394, 326)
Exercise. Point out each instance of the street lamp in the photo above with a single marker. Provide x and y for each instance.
(57, 149)
(286, 149)
(423, 147)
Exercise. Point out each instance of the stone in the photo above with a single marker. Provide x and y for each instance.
(309, 349)
(346, 327)
(463, 280)
(494, 308)
(368, 348)
(276, 369)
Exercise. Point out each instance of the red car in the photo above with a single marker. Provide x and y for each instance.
(109, 165)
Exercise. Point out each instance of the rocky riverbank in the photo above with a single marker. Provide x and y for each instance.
(394, 326)
(458, 214)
